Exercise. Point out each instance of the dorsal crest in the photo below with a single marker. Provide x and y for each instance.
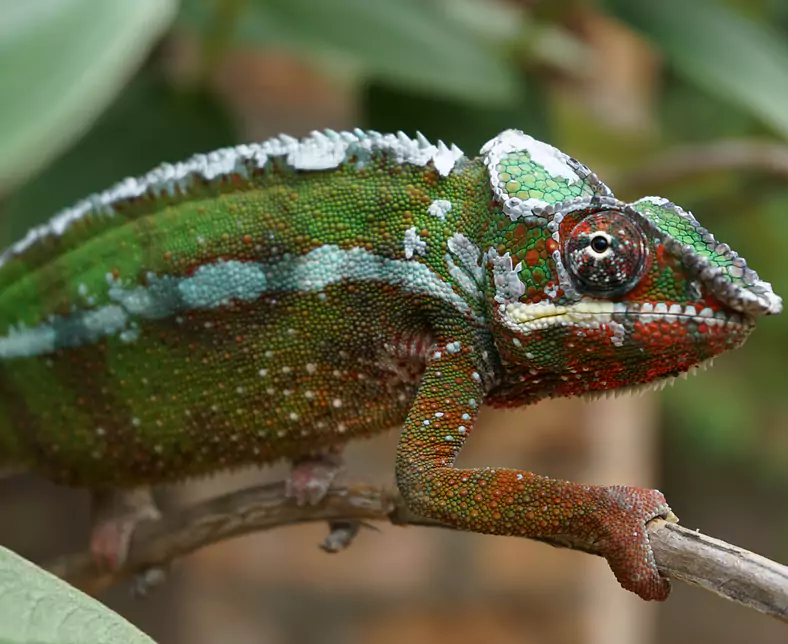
(317, 151)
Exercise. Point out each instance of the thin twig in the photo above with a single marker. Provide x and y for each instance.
(729, 571)
(687, 163)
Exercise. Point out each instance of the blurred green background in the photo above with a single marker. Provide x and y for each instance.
(688, 99)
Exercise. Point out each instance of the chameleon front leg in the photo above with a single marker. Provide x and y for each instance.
(511, 502)
(116, 512)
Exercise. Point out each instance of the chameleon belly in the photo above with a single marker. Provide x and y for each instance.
(288, 374)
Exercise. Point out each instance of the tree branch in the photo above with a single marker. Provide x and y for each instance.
(686, 163)
(729, 571)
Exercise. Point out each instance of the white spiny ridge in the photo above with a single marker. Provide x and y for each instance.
(318, 151)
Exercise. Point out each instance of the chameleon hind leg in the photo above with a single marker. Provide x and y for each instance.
(308, 483)
(311, 475)
(116, 513)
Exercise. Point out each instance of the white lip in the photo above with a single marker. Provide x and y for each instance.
(588, 311)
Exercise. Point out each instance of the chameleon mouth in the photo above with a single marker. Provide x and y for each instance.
(591, 312)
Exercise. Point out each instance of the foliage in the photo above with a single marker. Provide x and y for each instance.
(61, 63)
(38, 607)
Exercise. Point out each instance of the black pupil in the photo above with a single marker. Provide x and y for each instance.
(599, 244)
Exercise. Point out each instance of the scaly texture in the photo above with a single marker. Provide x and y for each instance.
(277, 300)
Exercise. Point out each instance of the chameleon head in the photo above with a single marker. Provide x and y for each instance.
(588, 293)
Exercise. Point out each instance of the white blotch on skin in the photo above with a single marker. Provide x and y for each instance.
(439, 208)
(413, 243)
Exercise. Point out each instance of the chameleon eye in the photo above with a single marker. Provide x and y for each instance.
(606, 254)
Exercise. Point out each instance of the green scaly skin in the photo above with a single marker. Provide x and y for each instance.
(275, 301)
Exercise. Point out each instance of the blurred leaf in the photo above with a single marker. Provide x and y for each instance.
(148, 124)
(421, 44)
(720, 50)
(36, 606)
(388, 108)
(61, 62)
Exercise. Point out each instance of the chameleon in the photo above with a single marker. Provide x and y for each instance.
(273, 301)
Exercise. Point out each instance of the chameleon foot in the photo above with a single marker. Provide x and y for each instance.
(625, 512)
(312, 475)
(116, 513)
(341, 535)
(148, 580)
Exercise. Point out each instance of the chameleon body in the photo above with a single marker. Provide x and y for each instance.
(275, 300)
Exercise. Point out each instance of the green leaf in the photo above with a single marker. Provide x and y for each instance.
(421, 44)
(61, 63)
(38, 608)
(148, 124)
(729, 55)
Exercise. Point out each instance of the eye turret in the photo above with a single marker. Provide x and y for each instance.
(606, 254)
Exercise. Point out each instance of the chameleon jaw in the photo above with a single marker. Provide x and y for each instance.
(645, 387)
